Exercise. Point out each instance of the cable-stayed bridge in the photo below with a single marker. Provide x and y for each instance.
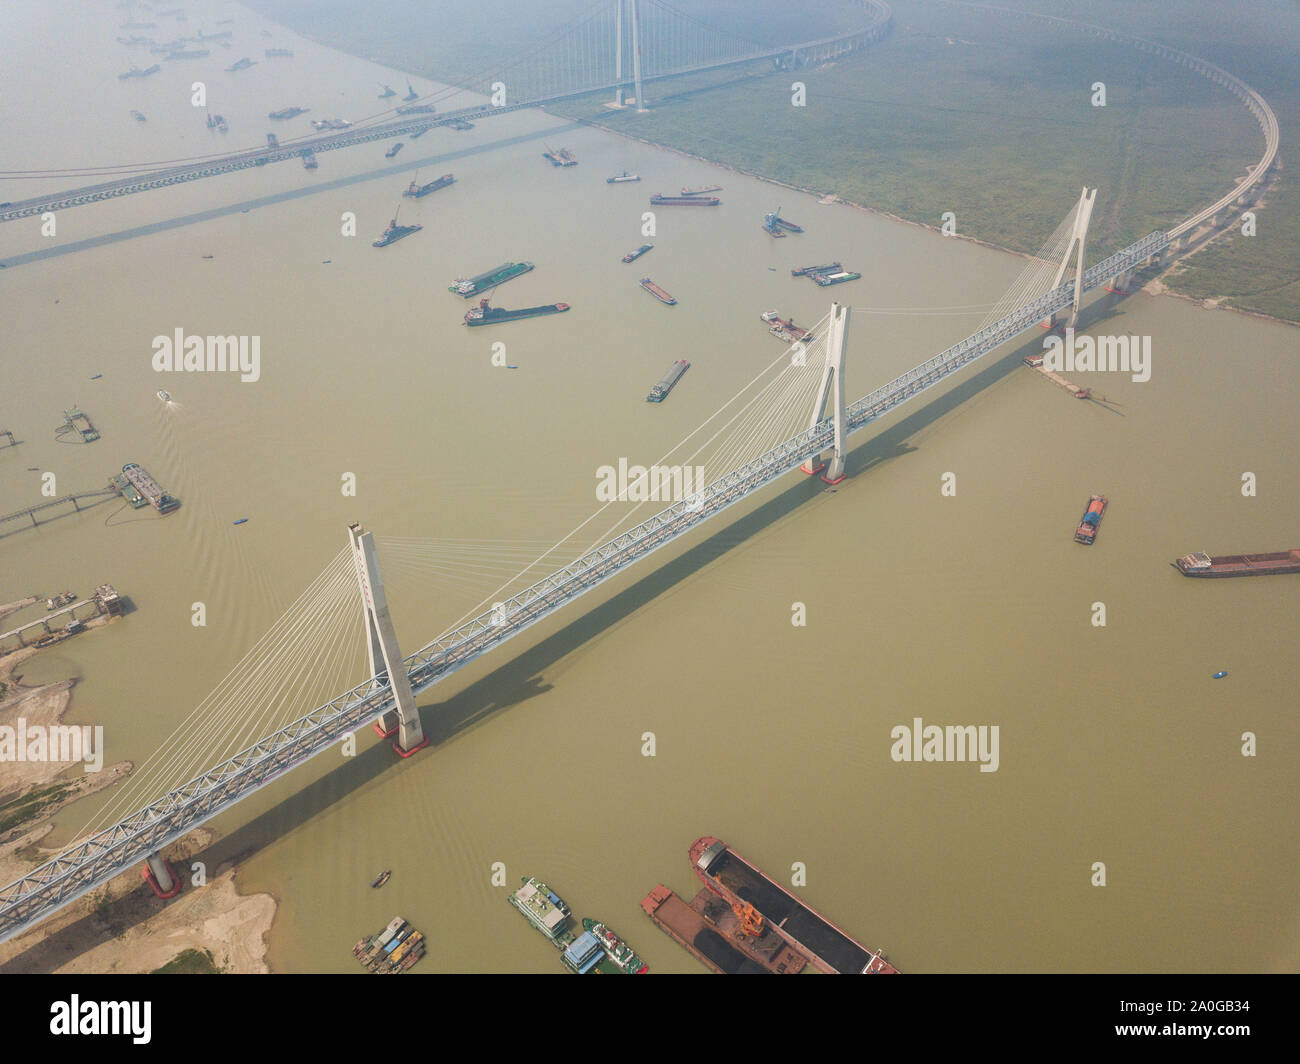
(616, 46)
(754, 446)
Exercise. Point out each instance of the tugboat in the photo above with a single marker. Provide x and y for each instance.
(619, 179)
(486, 315)
(394, 233)
(417, 190)
(165, 396)
(618, 951)
(382, 878)
(632, 256)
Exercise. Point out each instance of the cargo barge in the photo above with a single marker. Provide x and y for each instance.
(288, 112)
(744, 887)
(660, 200)
(1087, 530)
(785, 329)
(632, 256)
(138, 477)
(1280, 561)
(811, 271)
(660, 391)
(825, 279)
(417, 109)
(692, 927)
(276, 53)
(657, 292)
(239, 64)
(486, 315)
(136, 72)
(623, 178)
(701, 190)
(394, 950)
(472, 286)
(394, 233)
(418, 191)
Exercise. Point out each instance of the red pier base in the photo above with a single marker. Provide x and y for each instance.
(384, 734)
(811, 472)
(147, 873)
(838, 480)
(1118, 291)
(411, 752)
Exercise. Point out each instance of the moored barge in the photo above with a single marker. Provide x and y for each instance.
(810, 271)
(825, 279)
(544, 909)
(559, 157)
(701, 190)
(632, 256)
(1278, 561)
(722, 949)
(138, 477)
(742, 885)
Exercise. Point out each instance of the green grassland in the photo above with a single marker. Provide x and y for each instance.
(987, 116)
(189, 962)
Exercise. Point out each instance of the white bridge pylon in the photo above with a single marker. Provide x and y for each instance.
(1078, 239)
(832, 387)
(386, 664)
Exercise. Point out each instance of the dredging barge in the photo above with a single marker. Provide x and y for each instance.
(771, 906)
(417, 191)
(1199, 564)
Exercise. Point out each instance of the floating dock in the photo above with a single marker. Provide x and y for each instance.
(104, 602)
(135, 476)
(77, 421)
(393, 950)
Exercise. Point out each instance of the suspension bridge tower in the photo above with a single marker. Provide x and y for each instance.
(1078, 240)
(832, 387)
(629, 15)
(381, 642)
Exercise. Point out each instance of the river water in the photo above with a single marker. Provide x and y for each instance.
(1116, 746)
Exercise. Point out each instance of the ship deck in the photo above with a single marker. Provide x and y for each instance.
(684, 923)
(789, 914)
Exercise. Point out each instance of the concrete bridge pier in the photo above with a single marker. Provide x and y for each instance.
(1120, 284)
(832, 381)
(381, 643)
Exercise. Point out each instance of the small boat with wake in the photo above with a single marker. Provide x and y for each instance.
(382, 878)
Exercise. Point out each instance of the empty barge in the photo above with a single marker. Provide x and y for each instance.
(1279, 561)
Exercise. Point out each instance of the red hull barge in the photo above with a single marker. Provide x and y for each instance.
(1280, 561)
(718, 945)
(727, 874)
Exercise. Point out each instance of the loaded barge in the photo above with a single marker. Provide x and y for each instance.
(417, 191)
(1088, 524)
(632, 256)
(1199, 564)
(395, 949)
(701, 190)
(657, 292)
(770, 906)
(660, 200)
(825, 279)
(710, 931)
(660, 391)
(486, 315)
(472, 286)
(559, 157)
(811, 271)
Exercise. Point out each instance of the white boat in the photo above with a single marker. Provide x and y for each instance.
(166, 397)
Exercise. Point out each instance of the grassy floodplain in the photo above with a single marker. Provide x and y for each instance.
(986, 115)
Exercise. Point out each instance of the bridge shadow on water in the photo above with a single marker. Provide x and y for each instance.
(517, 680)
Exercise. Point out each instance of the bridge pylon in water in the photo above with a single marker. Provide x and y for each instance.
(381, 644)
(832, 387)
(1078, 239)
